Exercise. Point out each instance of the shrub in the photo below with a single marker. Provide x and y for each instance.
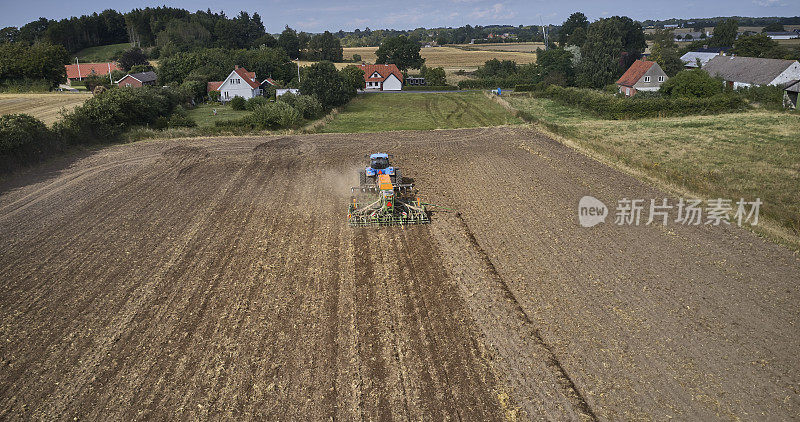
(25, 85)
(695, 83)
(24, 139)
(613, 107)
(767, 95)
(213, 95)
(105, 116)
(431, 88)
(180, 118)
(308, 106)
(275, 115)
(255, 102)
(194, 89)
(238, 103)
(488, 83)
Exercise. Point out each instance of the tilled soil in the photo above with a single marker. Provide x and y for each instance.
(217, 278)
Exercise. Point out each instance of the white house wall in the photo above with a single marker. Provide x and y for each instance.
(392, 83)
(236, 90)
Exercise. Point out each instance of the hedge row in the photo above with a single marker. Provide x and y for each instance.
(102, 118)
(613, 107)
(488, 83)
(430, 88)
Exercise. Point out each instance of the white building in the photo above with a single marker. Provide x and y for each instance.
(240, 83)
(382, 77)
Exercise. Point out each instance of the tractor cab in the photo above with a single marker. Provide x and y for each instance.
(379, 164)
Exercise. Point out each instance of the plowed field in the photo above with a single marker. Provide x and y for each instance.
(218, 279)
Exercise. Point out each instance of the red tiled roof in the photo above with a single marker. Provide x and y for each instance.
(248, 77)
(635, 72)
(269, 81)
(87, 69)
(383, 69)
(213, 86)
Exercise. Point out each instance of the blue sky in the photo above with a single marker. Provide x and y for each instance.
(320, 15)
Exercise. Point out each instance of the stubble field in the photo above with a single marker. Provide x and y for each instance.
(45, 107)
(218, 279)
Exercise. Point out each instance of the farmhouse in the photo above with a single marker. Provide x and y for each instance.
(641, 76)
(76, 72)
(382, 77)
(740, 72)
(239, 83)
(690, 59)
(137, 80)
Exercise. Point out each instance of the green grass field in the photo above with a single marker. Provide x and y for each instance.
(204, 116)
(102, 53)
(738, 155)
(379, 112)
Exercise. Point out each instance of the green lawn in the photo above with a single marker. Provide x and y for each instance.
(204, 116)
(751, 154)
(102, 53)
(378, 112)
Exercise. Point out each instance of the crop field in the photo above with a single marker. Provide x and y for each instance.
(218, 279)
(46, 107)
(102, 53)
(750, 155)
(519, 47)
(417, 111)
(451, 58)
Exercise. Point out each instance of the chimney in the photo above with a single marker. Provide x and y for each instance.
(236, 67)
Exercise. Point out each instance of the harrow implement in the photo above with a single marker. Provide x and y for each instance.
(386, 204)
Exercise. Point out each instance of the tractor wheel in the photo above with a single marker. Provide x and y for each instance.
(398, 179)
(362, 178)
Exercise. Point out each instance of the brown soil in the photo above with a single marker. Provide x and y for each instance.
(218, 279)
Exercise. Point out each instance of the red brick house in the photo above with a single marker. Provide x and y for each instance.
(641, 76)
(137, 80)
(76, 72)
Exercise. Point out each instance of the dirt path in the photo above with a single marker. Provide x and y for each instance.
(218, 279)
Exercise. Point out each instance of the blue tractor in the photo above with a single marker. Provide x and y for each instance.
(379, 164)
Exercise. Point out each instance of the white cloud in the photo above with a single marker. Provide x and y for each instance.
(496, 11)
(768, 3)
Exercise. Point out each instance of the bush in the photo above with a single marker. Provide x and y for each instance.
(767, 95)
(107, 115)
(614, 107)
(238, 103)
(308, 106)
(275, 115)
(213, 95)
(489, 83)
(255, 102)
(430, 88)
(180, 118)
(194, 89)
(24, 139)
(25, 85)
(694, 83)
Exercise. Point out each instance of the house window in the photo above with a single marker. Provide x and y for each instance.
(127, 84)
(661, 79)
(647, 79)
